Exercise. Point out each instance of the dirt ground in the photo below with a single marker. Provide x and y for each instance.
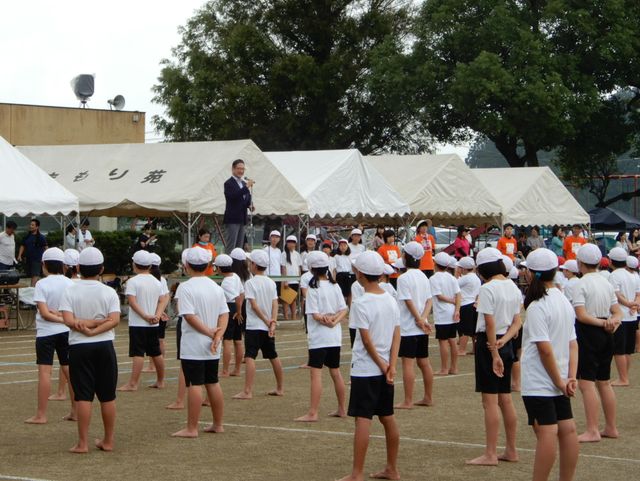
(262, 441)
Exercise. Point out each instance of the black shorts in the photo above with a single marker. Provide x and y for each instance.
(517, 343)
(279, 288)
(468, 320)
(595, 351)
(45, 347)
(547, 410)
(428, 273)
(33, 268)
(370, 396)
(486, 380)
(144, 340)
(162, 329)
(352, 335)
(295, 287)
(414, 346)
(345, 280)
(624, 339)
(178, 336)
(200, 372)
(256, 340)
(446, 331)
(233, 332)
(324, 356)
(93, 369)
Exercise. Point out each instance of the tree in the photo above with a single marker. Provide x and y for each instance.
(291, 74)
(523, 73)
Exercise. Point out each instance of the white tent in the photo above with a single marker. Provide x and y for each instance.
(339, 185)
(164, 178)
(440, 187)
(27, 189)
(532, 196)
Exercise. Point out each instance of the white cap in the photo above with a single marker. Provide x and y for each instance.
(142, 258)
(183, 257)
(414, 249)
(632, 262)
(71, 257)
(238, 254)
(292, 238)
(317, 260)
(311, 236)
(508, 263)
(357, 232)
(589, 254)
(399, 263)
(487, 255)
(53, 254)
(197, 256)
(370, 263)
(343, 240)
(155, 259)
(442, 259)
(275, 233)
(388, 270)
(523, 264)
(259, 258)
(223, 260)
(542, 260)
(466, 263)
(91, 256)
(513, 273)
(618, 254)
(453, 263)
(571, 266)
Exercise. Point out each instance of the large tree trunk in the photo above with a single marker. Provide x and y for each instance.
(508, 147)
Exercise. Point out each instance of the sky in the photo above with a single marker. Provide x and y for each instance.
(45, 44)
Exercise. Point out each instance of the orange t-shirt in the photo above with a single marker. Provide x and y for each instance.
(508, 247)
(429, 245)
(571, 245)
(390, 254)
(210, 247)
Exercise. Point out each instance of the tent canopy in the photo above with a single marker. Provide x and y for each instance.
(158, 179)
(607, 218)
(440, 187)
(339, 185)
(27, 189)
(532, 196)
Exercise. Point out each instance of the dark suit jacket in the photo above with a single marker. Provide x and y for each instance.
(238, 201)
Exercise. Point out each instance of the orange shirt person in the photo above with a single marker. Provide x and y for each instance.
(428, 243)
(573, 242)
(507, 244)
(390, 252)
(204, 241)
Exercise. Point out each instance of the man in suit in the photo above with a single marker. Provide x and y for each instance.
(238, 198)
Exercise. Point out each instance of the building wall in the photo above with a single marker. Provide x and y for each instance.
(41, 125)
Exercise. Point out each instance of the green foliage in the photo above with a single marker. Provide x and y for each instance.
(291, 74)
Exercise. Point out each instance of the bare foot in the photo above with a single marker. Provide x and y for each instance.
(304, 366)
(337, 414)
(156, 385)
(70, 417)
(509, 457)
(307, 418)
(275, 392)
(453, 371)
(609, 434)
(36, 420)
(175, 406)
(619, 383)
(149, 369)
(243, 395)
(423, 402)
(350, 478)
(185, 433)
(515, 388)
(127, 388)
(235, 374)
(224, 374)
(206, 403)
(441, 373)
(57, 397)
(214, 429)
(403, 406)
(462, 353)
(589, 438)
(102, 446)
(77, 449)
(385, 474)
(483, 460)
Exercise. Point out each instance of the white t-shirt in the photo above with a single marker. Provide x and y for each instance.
(623, 282)
(560, 280)
(569, 287)
(204, 298)
(293, 268)
(378, 314)
(549, 319)
(164, 287)
(357, 291)
(356, 250)
(88, 299)
(443, 283)
(388, 288)
(50, 290)
(604, 274)
(303, 258)
(7, 248)
(83, 237)
(275, 255)
(332, 265)
(469, 288)
(414, 286)
(596, 294)
(343, 263)
(325, 299)
(147, 291)
(232, 287)
(305, 279)
(501, 299)
(264, 291)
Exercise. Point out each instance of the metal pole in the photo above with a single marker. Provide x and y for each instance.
(189, 229)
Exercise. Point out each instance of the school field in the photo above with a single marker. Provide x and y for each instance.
(262, 442)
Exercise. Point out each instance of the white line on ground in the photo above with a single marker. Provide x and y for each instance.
(21, 478)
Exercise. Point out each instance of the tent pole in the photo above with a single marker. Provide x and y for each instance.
(189, 225)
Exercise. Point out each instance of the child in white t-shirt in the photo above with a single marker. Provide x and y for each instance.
(327, 248)
(446, 313)
(325, 309)
(92, 310)
(203, 307)
(572, 274)
(373, 366)
(357, 291)
(52, 336)
(384, 281)
(234, 294)
(262, 312)
(549, 368)
(469, 284)
(291, 266)
(632, 266)
(155, 271)
(344, 271)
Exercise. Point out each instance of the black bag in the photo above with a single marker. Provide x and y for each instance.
(9, 277)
